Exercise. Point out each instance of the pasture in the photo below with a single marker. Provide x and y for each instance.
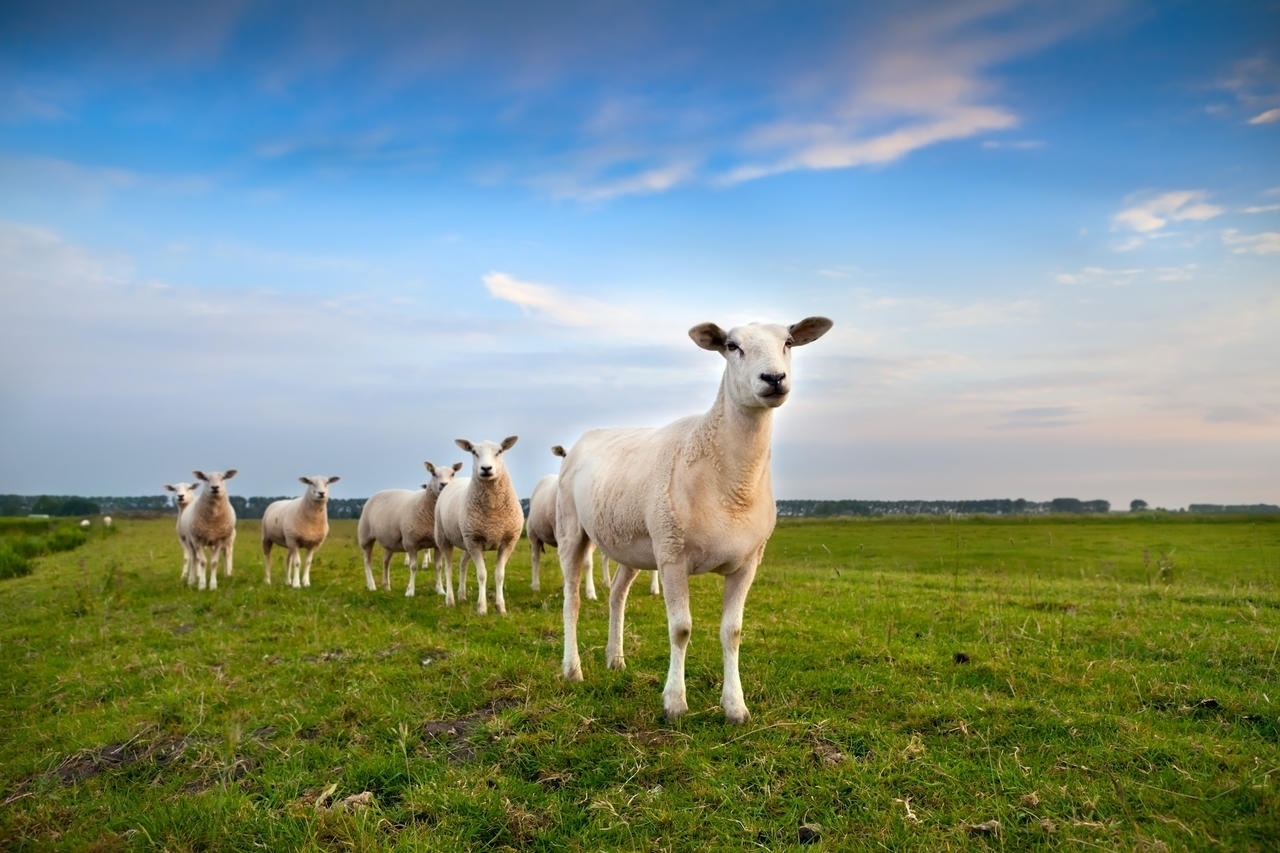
(1044, 683)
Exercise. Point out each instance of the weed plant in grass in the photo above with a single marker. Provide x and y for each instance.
(915, 684)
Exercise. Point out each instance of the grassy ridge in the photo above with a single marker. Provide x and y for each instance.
(1079, 682)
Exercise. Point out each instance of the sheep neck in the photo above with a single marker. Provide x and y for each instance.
(490, 494)
(736, 440)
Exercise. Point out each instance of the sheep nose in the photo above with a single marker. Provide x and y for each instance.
(486, 470)
(774, 379)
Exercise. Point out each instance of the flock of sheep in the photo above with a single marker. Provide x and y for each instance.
(688, 498)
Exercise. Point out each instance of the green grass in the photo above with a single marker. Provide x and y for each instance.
(1087, 683)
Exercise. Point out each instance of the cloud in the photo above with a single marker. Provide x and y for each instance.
(1153, 214)
(1104, 277)
(1269, 117)
(1253, 244)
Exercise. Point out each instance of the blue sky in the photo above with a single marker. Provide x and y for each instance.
(293, 239)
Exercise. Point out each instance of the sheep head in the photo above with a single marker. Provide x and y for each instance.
(486, 456)
(758, 357)
(183, 493)
(441, 476)
(216, 480)
(318, 487)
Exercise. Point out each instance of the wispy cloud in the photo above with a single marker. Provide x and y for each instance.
(1152, 214)
(1269, 117)
(1104, 277)
(1254, 244)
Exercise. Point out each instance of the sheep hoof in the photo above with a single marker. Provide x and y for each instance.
(617, 663)
(408, 593)
(573, 673)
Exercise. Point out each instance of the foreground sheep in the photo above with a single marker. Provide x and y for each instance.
(481, 513)
(688, 498)
(297, 524)
(209, 523)
(183, 495)
(401, 520)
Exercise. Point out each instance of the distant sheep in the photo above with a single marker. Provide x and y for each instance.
(209, 523)
(183, 495)
(84, 522)
(692, 497)
(481, 513)
(106, 520)
(402, 520)
(298, 524)
(541, 530)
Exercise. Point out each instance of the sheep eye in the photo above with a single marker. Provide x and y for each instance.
(788, 344)
(732, 347)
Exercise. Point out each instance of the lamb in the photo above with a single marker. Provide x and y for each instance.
(297, 524)
(209, 523)
(541, 529)
(106, 520)
(402, 520)
(692, 497)
(481, 513)
(183, 495)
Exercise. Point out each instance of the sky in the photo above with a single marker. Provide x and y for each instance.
(293, 239)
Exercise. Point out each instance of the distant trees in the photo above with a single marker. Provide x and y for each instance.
(1137, 505)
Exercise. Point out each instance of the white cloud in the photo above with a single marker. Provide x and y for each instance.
(1262, 208)
(1153, 214)
(1103, 277)
(1254, 244)
(1268, 117)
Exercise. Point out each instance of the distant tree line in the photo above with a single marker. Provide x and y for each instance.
(254, 507)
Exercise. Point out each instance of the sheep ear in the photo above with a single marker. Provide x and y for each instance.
(709, 336)
(431, 469)
(200, 476)
(809, 330)
(557, 450)
(231, 472)
(457, 466)
(170, 488)
(334, 479)
(306, 481)
(509, 442)
(464, 444)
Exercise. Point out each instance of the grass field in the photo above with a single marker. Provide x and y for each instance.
(1062, 683)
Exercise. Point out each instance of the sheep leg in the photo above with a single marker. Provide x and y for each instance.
(411, 557)
(387, 554)
(266, 558)
(196, 578)
(368, 567)
(573, 556)
(482, 579)
(306, 570)
(535, 557)
(500, 577)
(736, 587)
(293, 575)
(444, 559)
(228, 549)
(462, 574)
(447, 568)
(604, 570)
(675, 579)
(655, 587)
(591, 572)
(441, 589)
(622, 580)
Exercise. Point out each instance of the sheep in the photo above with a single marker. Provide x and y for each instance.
(183, 495)
(298, 523)
(209, 522)
(541, 529)
(688, 498)
(84, 522)
(402, 520)
(481, 513)
(106, 520)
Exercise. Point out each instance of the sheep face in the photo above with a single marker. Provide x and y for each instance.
(758, 357)
(441, 476)
(216, 480)
(183, 493)
(486, 456)
(318, 487)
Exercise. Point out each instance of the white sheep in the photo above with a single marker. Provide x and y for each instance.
(481, 513)
(106, 520)
(297, 524)
(183, 495)
(403, 520)
(541, 530)
(84, 522)
(692, 497)
(209, 523)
